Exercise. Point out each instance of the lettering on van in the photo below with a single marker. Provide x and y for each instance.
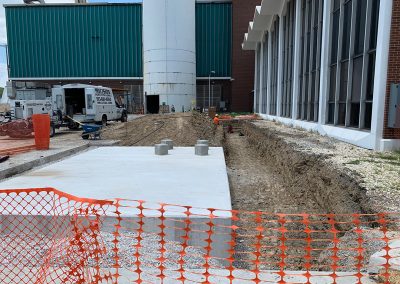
(103, 97)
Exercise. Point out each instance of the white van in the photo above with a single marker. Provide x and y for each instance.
(86, 104)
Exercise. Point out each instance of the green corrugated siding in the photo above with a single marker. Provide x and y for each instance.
(214, 39)
(75, 41)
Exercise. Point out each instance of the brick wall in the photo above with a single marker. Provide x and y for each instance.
(393, 68)
(242, 61)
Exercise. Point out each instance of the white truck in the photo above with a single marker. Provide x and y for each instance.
(69, 105)
(86, 104)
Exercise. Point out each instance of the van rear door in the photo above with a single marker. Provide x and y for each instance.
(58, 97)
(90, 102)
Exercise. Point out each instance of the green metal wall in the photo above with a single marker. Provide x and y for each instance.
(75, 41)
(214, 39)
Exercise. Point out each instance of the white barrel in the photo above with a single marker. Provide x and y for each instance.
(169, 52)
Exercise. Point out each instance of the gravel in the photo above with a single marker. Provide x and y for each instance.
(377, 173)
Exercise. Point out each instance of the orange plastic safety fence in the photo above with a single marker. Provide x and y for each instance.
(49, 237)
(126, 241)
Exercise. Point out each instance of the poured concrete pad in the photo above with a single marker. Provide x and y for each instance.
(136, 173)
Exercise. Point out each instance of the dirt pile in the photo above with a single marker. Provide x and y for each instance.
(183, 128)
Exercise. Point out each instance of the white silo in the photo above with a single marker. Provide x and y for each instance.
(169, 54)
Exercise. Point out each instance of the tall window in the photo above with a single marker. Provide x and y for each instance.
(274, 69)
(310, 62)
(258, 76)
(352, 69)
(288, 54)
(265, 75)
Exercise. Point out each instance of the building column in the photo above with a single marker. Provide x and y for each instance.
(280, 67)
(261, 93)
(325, 52)
(296, 63)
(269, 73)
(381, 71)
(255, 80)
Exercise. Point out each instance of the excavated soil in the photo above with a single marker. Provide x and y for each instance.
(183, 128)
(268, 174)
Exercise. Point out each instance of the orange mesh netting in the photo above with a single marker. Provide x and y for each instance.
(51, 237)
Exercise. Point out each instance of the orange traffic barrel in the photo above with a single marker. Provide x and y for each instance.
(41, 127)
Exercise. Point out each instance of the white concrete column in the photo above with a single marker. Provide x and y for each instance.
(255, 80)
(325, 52)
(261, 59)
(297, 57)
(280, 67)
(269, 66)
(381, 69)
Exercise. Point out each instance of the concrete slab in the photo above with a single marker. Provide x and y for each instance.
(136, 173)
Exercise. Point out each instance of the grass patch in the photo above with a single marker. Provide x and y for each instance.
(234, 114)
(354, 162)
(388, 156)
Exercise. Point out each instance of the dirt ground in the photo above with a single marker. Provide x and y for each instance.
(184, 129)
(266, 174)
(254, 184)
(368, 181)
(276, 169)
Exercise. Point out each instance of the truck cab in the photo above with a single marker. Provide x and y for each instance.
(86, 104)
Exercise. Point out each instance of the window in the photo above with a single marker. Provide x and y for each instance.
(288, 54)
(89, 101)
(310, 61)
(274, 69)
(352, 68)
(257, 88)
(265, 75)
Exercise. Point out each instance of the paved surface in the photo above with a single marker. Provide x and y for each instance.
(136, 173)
(64, 144)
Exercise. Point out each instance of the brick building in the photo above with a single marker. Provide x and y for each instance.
(329, 66)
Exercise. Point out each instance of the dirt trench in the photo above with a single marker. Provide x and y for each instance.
(270, 175)
(267, 174)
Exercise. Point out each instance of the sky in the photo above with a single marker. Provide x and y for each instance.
(3, 36)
